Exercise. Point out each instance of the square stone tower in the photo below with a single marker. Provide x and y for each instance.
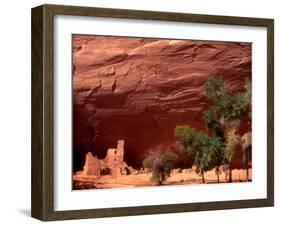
(116, 155)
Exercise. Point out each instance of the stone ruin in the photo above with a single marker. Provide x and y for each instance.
(113, 164)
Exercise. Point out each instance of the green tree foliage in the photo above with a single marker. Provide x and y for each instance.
(223, 118)
(226, 106)
(226, 110)
(206, 151)
(231, 143)
(246, 140)
(160, 161)
(248, 97)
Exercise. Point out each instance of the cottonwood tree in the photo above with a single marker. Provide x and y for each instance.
(226, 106)
(204, 150)
(226, 111)
(222, 119)
(232, 141)
(246, 140)
(161, 162)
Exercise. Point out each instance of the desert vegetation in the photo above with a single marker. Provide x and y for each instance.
(132, 94)
(205, 151)
(160, 161)
(208, 152)
(216, 146)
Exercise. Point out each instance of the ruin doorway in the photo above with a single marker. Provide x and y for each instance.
(105, 171)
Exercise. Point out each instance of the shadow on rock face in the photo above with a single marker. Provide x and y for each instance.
(139, 89)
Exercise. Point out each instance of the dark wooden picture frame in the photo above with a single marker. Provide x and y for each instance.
(42, 203)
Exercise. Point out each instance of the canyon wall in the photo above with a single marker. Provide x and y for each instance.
(139, 89)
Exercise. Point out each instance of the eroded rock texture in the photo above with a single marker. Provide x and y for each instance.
(139, 89)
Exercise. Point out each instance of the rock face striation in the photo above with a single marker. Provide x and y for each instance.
(139, 89)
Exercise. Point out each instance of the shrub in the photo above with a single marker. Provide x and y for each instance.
(160, 162)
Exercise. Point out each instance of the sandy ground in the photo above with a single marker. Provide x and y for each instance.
(81, 181)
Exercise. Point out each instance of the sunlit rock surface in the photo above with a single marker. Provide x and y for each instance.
(139, 89)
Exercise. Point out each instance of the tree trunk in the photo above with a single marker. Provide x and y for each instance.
(203, 179)
(218, 174)
(160, 181)
(219, 132)
(230, 174)
(247, 164)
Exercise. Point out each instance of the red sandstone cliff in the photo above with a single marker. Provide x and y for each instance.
(139, 89)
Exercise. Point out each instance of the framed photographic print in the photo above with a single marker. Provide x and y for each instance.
(141, 112)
